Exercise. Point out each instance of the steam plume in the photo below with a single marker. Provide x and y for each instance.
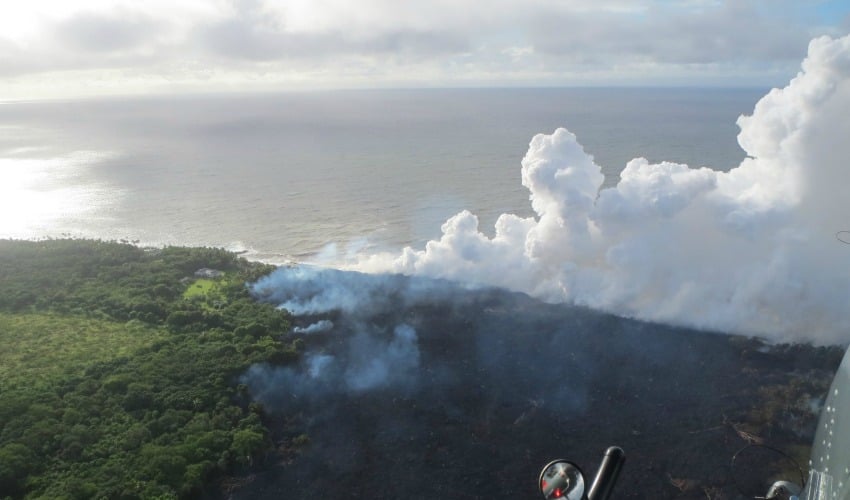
(750, 251)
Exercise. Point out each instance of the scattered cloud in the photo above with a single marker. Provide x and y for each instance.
(332, 43)
(254, 33)
(92, 32)
(721, 33)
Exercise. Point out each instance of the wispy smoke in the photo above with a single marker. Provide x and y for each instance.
(371, 348)
(374, 364)
(366, 362)
(317, 327)
(304, 290)
(417, 336)
(751, 250)
(307, 290)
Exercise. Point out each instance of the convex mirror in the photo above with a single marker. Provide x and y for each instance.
(562, 479)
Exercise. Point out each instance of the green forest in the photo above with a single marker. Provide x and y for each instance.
(119, 369)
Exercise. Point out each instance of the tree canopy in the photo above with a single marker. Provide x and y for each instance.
(119, 369)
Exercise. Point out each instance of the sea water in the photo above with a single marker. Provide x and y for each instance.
(284, 176)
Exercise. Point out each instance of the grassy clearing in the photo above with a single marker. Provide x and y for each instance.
(209, 294)
(202, 287)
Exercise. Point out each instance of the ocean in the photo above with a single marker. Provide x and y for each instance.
(289, 176)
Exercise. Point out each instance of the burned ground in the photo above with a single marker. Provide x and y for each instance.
(504, 384)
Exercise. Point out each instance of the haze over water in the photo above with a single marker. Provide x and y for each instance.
(284, 175)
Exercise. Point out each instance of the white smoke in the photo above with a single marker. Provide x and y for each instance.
(367, 362)
(367, 355)
(317, 327)
(374, 364)
(750, 251)
(308, 290)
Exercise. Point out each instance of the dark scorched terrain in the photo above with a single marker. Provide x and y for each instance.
(505, 384)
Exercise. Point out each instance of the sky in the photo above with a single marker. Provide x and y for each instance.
(60, 48)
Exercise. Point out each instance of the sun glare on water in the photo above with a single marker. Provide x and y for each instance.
(40, 196)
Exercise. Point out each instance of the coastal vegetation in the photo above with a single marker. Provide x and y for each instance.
(119, 369)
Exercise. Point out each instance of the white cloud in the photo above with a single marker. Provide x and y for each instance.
(99, 33)
(326, 43)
